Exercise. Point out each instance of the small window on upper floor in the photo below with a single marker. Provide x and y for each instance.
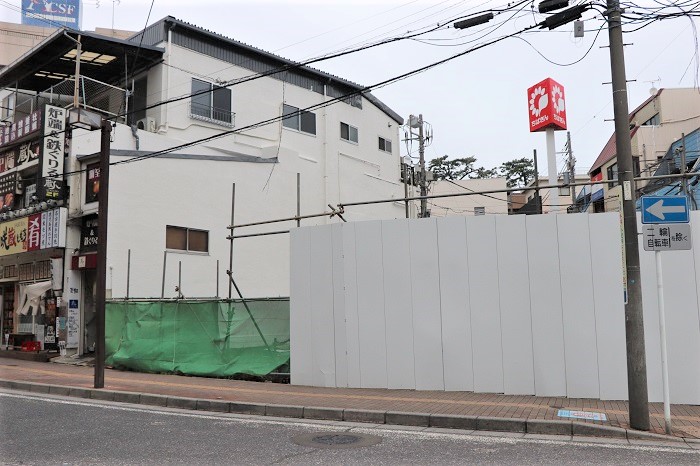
(612, 175)
(653, 121)
(479, 210)
(348, 133)
(384, 145)
(186, 239)
(211, 103)
(297, 119)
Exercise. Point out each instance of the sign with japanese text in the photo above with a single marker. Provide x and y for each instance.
(89, 236)
(53, 151)
(39, 231)
(92, 183)
(546, 106)
(667, 237)
(13, 237)
(21, 129)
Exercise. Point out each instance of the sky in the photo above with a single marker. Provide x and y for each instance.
(476, 104)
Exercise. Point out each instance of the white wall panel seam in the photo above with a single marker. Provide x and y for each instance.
(595, 310)
(561, 301)
(532, 318)
(442, 337)
(468, 284)
(500, 312)
(357, 299)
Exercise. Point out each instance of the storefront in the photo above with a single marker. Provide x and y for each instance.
(32, 226)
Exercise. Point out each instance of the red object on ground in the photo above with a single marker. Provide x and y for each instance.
(31, 346)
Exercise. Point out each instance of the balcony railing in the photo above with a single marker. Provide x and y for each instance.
(212, 114)
(92, 94)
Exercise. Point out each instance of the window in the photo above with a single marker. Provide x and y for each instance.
(565, 191)
(211, 103)
(299, 120)
(479, 210)
(348, 133)
(7, 106)
(653, 121)
(186, 239)
(384, 145)
(612, 175)
(636, 167)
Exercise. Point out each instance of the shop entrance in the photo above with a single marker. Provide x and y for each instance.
(89, 284)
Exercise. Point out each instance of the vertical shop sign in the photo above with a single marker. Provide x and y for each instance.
(34, 233)
(53, 151)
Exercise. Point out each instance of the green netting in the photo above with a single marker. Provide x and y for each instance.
(206, 338)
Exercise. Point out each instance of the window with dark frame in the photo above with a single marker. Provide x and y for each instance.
(612, 175)
(384, 145)
(186, 239)
(211, 102)
(297, 119)
(348, 133)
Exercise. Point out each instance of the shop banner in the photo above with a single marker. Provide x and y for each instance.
(39, 231)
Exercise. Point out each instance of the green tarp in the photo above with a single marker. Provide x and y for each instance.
(205, 338)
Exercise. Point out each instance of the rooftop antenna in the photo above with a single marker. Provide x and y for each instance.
(653, 90)
(114, 3)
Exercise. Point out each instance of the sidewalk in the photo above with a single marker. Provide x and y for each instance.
(404, 407)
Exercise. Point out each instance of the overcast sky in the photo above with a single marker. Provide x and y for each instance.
(477, 103)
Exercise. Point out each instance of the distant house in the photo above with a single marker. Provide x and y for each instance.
(654, 125)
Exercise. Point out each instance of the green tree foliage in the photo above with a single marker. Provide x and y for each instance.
(451, 169)
(518, 172)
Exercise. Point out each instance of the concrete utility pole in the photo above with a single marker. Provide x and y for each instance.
(634, 319)
(421, 155)
(572, 168)
(103, 203)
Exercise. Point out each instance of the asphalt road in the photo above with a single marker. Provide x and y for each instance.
(38, 429)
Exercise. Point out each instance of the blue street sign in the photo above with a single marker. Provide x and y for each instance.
(665, 209)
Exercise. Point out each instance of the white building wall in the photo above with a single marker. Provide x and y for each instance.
(148, 195)
(504, 304)
(494, 203)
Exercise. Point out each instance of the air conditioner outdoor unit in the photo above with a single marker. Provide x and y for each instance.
(148, 124)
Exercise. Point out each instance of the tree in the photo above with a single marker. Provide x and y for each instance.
(518, 172)
(454, 169)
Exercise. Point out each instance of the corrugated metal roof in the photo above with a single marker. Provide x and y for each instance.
(258, 59)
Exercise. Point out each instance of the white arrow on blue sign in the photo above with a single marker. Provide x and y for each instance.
(665, 209)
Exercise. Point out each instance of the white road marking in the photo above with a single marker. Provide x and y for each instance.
(389, 431)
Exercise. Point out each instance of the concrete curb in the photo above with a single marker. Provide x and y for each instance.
(480, 423)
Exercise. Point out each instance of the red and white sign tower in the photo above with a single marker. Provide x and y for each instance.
(547, 112)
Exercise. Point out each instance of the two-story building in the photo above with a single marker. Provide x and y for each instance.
(654, 125)
(234, 114)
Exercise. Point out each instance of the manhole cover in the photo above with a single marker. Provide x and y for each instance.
(336, 440)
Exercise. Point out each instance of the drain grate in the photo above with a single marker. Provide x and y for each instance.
(336, 440)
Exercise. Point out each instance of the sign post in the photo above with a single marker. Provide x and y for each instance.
(671, 235)
(547, 112)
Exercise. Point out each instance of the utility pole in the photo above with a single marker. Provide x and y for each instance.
(100, 293)
(538, 199)
(634, 318)
(421, 155)
(572, 168)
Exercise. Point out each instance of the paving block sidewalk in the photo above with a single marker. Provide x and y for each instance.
(394, 403)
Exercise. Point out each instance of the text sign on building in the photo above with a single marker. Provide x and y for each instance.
(667, 237)
(665, 209)
(20, 129)
(53, 151)
(546, 106)
(53, 14)
(39, 231)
